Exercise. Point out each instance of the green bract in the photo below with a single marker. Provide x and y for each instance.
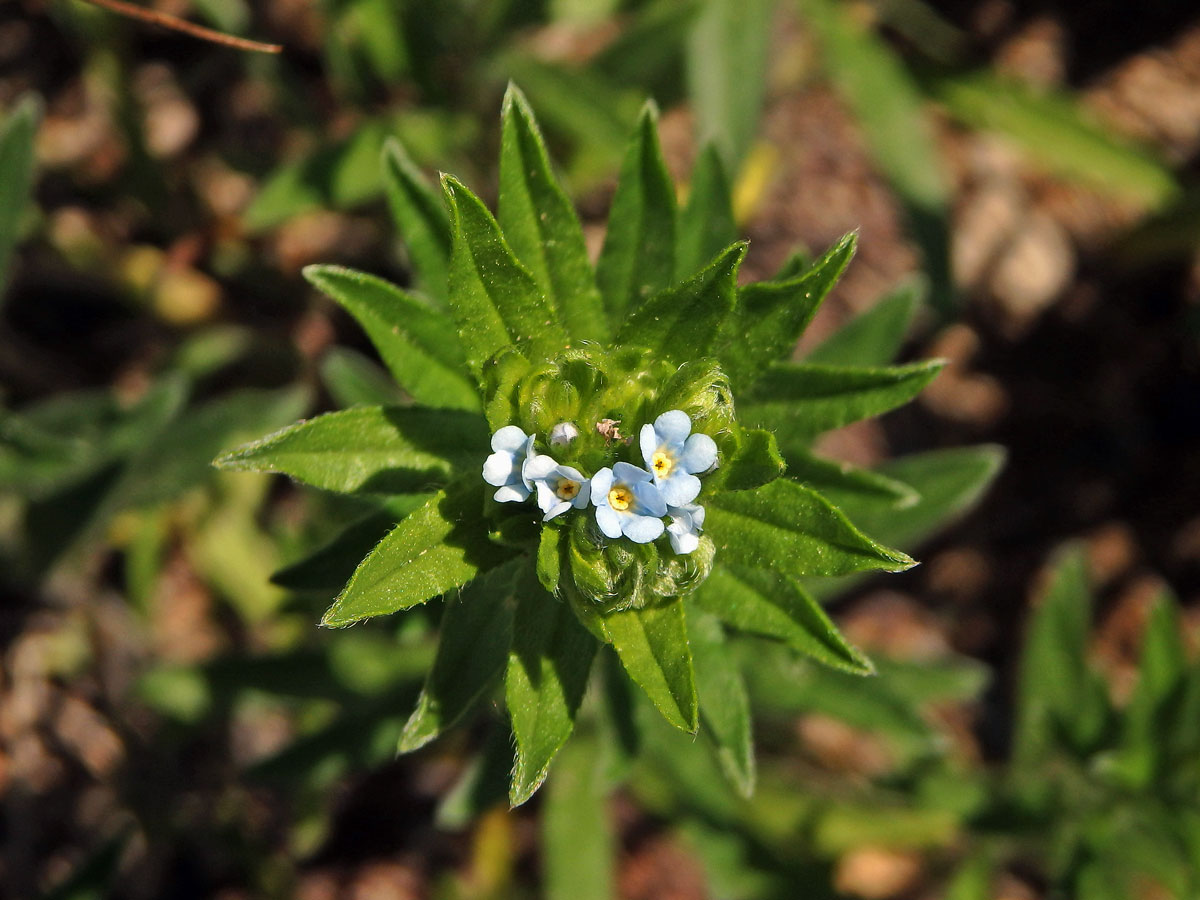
(530, 335)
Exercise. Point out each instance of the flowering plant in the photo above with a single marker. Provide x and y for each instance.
(574, 467)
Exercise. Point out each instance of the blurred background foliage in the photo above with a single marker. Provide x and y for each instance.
(174, 724)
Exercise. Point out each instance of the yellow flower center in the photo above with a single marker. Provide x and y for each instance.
(619, 498)
(566, 489)
(662, 464)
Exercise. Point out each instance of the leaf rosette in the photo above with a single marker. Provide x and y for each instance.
(618, 454)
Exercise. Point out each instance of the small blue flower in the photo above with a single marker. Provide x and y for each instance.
(558, 487)
(684, 530)
(675, 458)
(627, 503)
(503, 468)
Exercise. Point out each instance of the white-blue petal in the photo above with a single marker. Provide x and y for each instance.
(627, 473)
(510, 438)
(648, 441)
(642, 529)
(609, 521)
(680, 488)
(511, 493)
(498, 468)
(648, 499)
(558, 509)
(537, 467)
(682, 541)
(699, 454)
(601, 482)
(673, 427)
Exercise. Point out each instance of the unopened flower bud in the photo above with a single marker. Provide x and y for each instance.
(563, 433)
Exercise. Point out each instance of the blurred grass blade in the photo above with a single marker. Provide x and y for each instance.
(354, 380)
(578, 844)
(17, 135)
(1058, 132)
(887, 105)
(836, 479)
(706, 226)
(727, 72)
(638, 257)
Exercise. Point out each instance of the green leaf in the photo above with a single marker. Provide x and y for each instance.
(799, 401)
(724, 706)
(770, 316)
(441, 546)
(756, 462)
(420, 217)
(706, 226)
(16, 162)
(1052, 688)
(653, 647)
(354, 380)
(549, 558)
(547, 673)
(638, 257)
(180, 457)
(792, 530)
(578, 844)
(727, 72)
(473, 642)
(494, 300)
(838, 479)
(337, 175)
(888, 107)
(682, 322)
(417, 342)
(949, 482)
(540, 224)
(763, 602)
(875, 337)
(1056, 130)
(370, 449)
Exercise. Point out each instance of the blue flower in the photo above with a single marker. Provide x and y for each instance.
(675, 458)
(503, 468)
(558, 487)
(684, 530)
(627, 503)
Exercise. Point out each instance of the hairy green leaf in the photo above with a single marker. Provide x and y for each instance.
(652, 645)
(494, 300)
(724, 706)
(755, 463)
(682, 322)
(799, 401)
(441, 546)
(706, 226)
(541, 226)
(16, 162)
(547, 673)
(875, 337)
(370, 449)
(790, 529)
(763, 602)
(770, 316)
(420, 217)
(473, 643)
(416, 341)
(638, 257)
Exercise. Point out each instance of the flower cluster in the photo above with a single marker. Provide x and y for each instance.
(629, 501)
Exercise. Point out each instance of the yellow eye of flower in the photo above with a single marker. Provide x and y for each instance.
(662, 464)
(619, 498)
(566, 489)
